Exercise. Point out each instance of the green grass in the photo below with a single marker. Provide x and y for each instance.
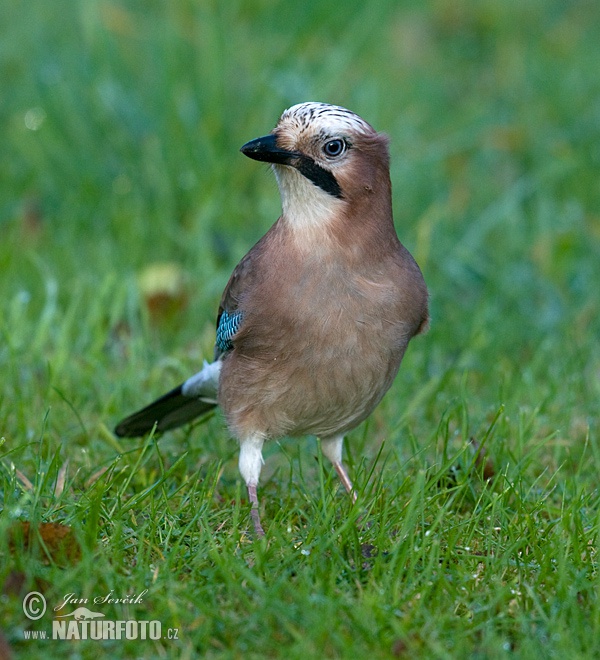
(121, 124)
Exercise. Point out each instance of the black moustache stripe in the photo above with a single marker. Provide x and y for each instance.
(319, 176)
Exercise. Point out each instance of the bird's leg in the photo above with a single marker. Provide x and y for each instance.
(332, 448)
(251, 461)
(345, 479)
(254, 514)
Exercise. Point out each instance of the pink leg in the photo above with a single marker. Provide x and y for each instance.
(258, 529)
(332, 448)
(345, 479)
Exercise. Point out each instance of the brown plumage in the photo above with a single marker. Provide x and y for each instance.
(324, 304)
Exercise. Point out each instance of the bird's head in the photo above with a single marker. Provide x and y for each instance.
(327, 160)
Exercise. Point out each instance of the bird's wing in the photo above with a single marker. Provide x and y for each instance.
(227, 327)
(230, 315)
(170, 411)
(197, 395)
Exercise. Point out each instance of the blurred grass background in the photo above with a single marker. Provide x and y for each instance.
(121, 124)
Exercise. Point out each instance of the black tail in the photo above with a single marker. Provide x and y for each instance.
(170, 411)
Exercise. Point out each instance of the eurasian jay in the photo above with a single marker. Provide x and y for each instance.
(315, 319)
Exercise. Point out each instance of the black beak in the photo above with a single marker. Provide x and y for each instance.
(265, 149)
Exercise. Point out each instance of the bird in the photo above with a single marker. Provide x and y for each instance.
(315, 319)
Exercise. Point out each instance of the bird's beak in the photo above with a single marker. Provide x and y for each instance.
(265, 149)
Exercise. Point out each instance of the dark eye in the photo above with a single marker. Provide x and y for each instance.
(334, 148)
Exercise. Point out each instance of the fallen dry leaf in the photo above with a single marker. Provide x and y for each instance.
(164, 291)
(5, 652)
(52, 541)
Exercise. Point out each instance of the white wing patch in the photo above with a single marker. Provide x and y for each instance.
(205, 383)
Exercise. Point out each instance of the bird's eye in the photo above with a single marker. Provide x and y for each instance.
(334, 148)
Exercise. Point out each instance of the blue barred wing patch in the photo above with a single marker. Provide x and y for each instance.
(229, 324)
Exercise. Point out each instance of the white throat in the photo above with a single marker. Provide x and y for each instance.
(306, 207)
